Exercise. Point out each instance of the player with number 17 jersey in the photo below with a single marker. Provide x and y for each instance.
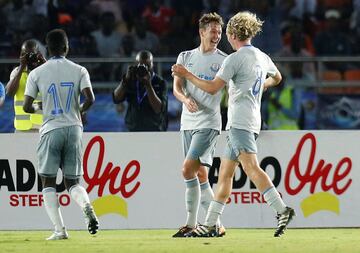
(60, 92)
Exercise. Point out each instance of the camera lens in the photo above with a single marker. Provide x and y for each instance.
(141, 70)
(32, 57)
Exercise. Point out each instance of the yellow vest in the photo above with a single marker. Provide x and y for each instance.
(24, 121)
(277, 119)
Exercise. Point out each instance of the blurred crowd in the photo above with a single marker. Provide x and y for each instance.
(116, 28)
(121, 28)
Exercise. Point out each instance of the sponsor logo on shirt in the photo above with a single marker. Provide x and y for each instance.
(215, 67)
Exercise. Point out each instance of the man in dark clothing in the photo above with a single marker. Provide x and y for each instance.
(146, 94)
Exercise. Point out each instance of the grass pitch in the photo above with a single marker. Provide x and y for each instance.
(160, 241)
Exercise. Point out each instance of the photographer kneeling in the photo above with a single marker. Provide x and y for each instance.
(146, 94)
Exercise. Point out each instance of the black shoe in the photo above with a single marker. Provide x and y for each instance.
(283, 220)
(204, 231)
(91, 220)
(182, 231)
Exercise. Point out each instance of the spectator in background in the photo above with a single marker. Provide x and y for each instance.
(20, 18)
(108, 40)
(5, 37)
(158, 16)
(176, 40)
(269, 40)
(283, 108)
(332, 41)
(30, 58)
(81, 41)
(39, 28)
(298, 8)
(103, 6)
(108, 44)
(146, 94)
(143, 38)
(297, 44)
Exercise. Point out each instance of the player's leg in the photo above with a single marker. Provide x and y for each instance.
(209, 138)
(223, 189)
(207, 195)
(72, 170)
(49, 153)
(216, 208)
(266, 187)
(192, 191)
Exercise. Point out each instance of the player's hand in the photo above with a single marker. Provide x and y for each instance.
(146, 80)
(23, 60)
(191, 104)
(41, 58)
(179, 70)
(83, 118)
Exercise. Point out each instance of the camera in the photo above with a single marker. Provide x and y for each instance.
(137, 72)
(32, 57)
(141, 70)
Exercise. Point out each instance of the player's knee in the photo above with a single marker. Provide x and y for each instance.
(70, 182)
(202, 174)
(188, 171)
(48, 182)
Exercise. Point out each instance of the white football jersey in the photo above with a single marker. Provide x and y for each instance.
(60, 82)
(247, 68)
(204, 66)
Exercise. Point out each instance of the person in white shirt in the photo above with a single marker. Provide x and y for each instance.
(251, 71)
(61, 82)
(200, 119)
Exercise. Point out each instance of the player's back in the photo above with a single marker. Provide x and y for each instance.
(60, 82)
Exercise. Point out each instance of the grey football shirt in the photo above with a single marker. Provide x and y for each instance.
(60, 82)
(247, 68)
(205, 66)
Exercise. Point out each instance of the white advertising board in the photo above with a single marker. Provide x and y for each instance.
(134, 181)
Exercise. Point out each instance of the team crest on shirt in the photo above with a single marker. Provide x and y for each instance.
(215, 67)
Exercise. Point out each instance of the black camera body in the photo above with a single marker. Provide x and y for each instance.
(31, 57)
(137, 72)
(141, 70)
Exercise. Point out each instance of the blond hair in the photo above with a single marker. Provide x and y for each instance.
(244, 25)
(207, 18)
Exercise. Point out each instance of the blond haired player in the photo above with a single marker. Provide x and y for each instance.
(251, 71)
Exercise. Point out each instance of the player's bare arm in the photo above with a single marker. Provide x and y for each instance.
(13, 85)
(178, 92)
(272, 81)
(89, 99)
(210, 86)
(29, 106)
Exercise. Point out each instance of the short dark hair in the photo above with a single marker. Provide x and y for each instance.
(30, 44)
(57, 41)
(208, 18)
(143, 55)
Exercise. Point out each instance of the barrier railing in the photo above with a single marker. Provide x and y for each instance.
(163, 64)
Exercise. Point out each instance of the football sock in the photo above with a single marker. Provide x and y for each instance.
(215, 210)
(192, 201)
(52, 208)
(207, 195)
(79, 194)
(273, 199)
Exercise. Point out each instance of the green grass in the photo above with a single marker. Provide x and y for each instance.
(160, 241)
